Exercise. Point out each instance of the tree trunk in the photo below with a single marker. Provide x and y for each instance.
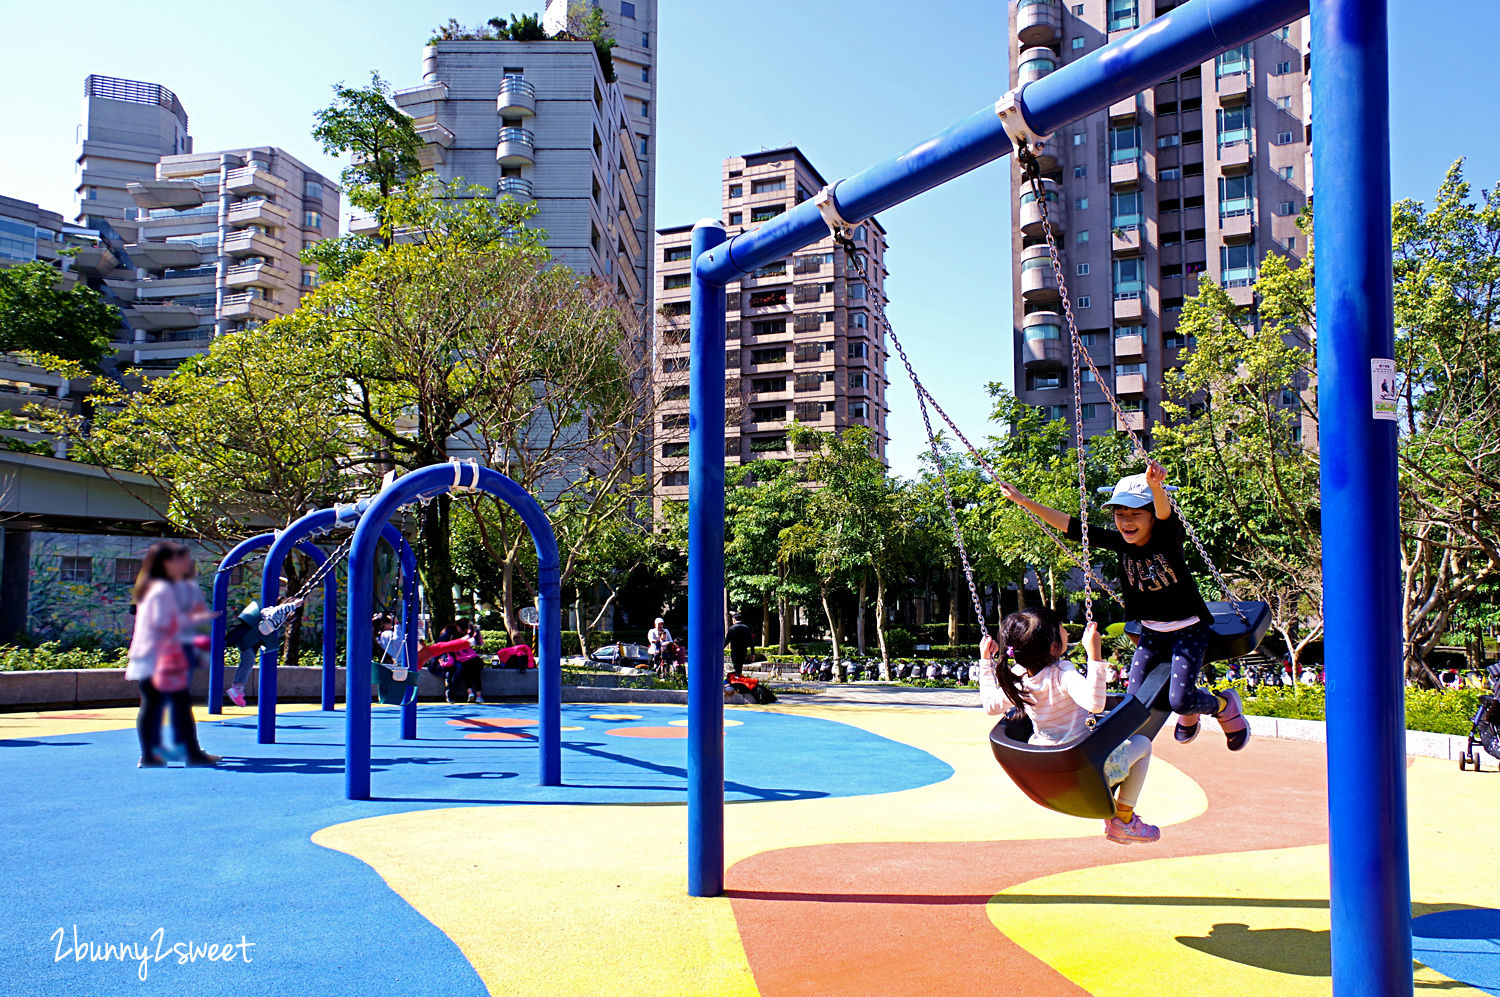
(508, 595)
(859, 614)
(833, 634)
(765, 621)
(955, 577)
(583, 633)
(885, 658)
(783, 632)
(1052, 589)
(437, 567)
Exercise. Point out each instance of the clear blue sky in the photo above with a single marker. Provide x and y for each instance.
(818, 75)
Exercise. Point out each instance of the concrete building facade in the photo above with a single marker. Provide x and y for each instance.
(1204, 173)
(538, 122)
(801, 339)
(126, 127)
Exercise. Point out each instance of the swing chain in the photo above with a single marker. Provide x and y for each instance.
(323, 569)
(1032, 169)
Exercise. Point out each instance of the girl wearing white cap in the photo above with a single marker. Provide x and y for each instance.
(658, 637)
(1159, 591)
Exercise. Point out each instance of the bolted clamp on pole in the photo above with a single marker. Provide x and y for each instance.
(837, 224)
(1013, 119)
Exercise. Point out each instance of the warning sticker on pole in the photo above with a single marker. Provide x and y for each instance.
(1383, 389)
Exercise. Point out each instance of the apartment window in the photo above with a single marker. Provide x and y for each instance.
(1168, 141)
(77, 570)
(1289, 244)
(675, 479)
(672, 281)
(768, 385)
(1090, 410)
(776, 269)
(1286, 172)
(736, 190)
(645, 109)
(1080, 138)
(676, 393)
(1285, 103)
(1080, 203)
(1043, 382)
(1286, 208)
(859, 410)
(1233, 62)
(860, 233)
(644, 146)
(1078, 10)
(677, 308)
(771, 354)
(1283, 138)
(767, 299)
(1125, 210)
(1235, 196)
(769, 413)
(675, 365)
(627, 9)
(1040, 65)
(1083, 301)
(1129, 277)
(675, 420)
(126, 568)
(1285, 34)
(1083, 269)
(1080, 171)
(674, 254)
(1124, 14)
(1282, 68)
(735, 218)
(768, 327)
(859, 379)
(1047, 330)
(312, 219)
(767, 213)
(309, 279)
(856, 291)
(1131, 330)
(859, 320)
(1171, 173)
(674, 450)
(1078, 43)
(807, 323)
(312, 190)
(1124, 143)
(1086, 375)
(1126, 369)
(859, 351)
(1237, 265)
(767, 186)
(1083, 235)
(1234, 125)
(645, 74)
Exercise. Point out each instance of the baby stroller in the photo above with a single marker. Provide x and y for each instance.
(1486, 729)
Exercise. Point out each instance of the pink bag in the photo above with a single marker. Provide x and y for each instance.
(171, 673)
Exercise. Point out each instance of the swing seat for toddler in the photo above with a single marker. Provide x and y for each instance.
(393, 683)
(1069, 777)
(1233, 636)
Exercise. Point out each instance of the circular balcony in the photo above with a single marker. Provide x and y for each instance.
(1038, 22)
(517, 188)
(516, 97)
(1038, 280)
(1031, 212)
(1042, 344)
(517, 147)
(1035, 63)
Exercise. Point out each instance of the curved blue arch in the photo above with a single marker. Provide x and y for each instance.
(220, 603)
(430, 482)
(286, 540)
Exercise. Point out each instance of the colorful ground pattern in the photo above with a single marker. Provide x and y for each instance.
(872, 851)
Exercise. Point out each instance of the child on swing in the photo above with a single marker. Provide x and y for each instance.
(1035, 677)
(1161, 593)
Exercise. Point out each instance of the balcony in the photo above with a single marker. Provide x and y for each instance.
(517, 147)
(1235, 157)
(1129, 309)
(1038, 279)
(251, 180)
(516, 97)
(1126, 240)
(1128, 347)
(438, 140)
(1242, 295)
(1042, 342)
(1034, 64)
(250, 242)
(95, 258)
(517, 188)
(1038, 22)
(255, 275)
(1122, 111)
(257, 211)
(153, 194)
(1126, 173)
(1237, 226)
(1031, 211)
(249, 306)
(167, 315)
(1135, 421)
(1130, 384)
(1234, 88)
(155, 257)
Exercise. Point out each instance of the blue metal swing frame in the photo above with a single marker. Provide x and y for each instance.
(1370, 888)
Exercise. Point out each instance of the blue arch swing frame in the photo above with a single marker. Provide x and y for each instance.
(1369, 867)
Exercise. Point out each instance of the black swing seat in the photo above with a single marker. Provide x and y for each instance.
(1069, 778)
(1232, 636)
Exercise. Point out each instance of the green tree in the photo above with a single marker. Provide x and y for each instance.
(36, 317)
(765, 498)
(383, 146)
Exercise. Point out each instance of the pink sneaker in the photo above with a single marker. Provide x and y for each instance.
(1137, 832)
(237, 695)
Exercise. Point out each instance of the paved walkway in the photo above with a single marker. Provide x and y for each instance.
(881, 694)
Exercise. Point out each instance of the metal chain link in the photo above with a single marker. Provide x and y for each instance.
(323, 569)
(925, 398)
(1033, 173)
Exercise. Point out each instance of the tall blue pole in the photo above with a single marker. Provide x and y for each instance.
(1370, 885)
(706, 575)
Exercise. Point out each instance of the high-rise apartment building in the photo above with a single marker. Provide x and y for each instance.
(218, 239)
(539, 122)
(1204, 173)
(126, 128)
(802, 341)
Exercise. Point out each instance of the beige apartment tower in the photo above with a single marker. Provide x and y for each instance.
(801, 339)
(1204, 173)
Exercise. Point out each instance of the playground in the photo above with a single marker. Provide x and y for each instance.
(870, 851)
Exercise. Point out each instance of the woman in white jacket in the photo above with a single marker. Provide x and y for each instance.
(160, 625)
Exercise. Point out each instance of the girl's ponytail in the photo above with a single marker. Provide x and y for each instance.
(1008, 680)
(1026, 637)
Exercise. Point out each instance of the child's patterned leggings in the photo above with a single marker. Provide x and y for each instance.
(1186, 648)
